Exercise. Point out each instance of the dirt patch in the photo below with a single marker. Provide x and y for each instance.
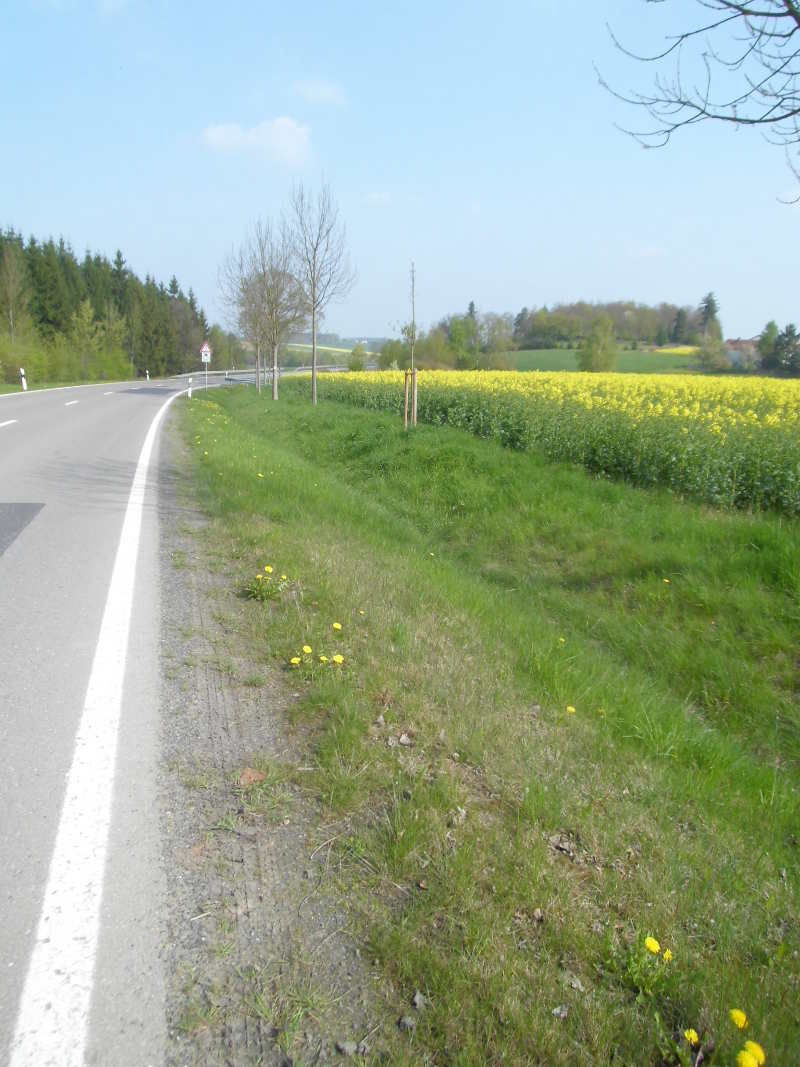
(261, 967)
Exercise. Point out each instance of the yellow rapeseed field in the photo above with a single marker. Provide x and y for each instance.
(731, 441)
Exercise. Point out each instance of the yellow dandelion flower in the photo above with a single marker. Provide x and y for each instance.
(667, 955)
(260, 577)
(738, 1018)
(667, 581)
(307, 649)
(746, 1059)
(283, 577)
(361, 611)
(562, 640)
(652, 945)
(570, 709)
(692, 1037)
(268, 569)
(260, 474)
(337, 626)
(295, 661)
(323, 659)
(339, 660)
(756, 1051)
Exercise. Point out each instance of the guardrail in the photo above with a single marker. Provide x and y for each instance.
(248, 374)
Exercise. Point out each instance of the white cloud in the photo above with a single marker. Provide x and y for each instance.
(281, 139)
(318, 91)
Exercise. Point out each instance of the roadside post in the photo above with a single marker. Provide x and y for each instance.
(190, 388)
(405, 404)
(205, 356)
(22, 377)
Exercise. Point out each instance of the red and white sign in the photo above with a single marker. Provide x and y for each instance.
(205, 353)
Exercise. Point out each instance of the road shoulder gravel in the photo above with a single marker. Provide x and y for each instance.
(260, 964)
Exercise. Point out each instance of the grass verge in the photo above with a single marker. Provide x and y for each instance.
(565, 721)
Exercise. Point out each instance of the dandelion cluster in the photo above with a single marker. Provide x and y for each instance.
(733, 442)
(263, 586)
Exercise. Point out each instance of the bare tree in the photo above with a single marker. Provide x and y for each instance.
(13, 286)
(752, 49)
(320, 247)
(282, 297)
(263, 294)
(240, 292)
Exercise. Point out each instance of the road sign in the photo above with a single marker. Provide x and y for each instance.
(205, 353)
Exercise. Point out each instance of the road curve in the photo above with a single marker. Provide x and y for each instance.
(67, 464)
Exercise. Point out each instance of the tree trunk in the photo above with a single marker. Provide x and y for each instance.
(313, 355)
(274, 372)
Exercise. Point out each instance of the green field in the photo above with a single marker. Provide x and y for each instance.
(598, 690)
(627, 362)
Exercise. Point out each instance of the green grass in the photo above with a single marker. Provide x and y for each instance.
(627, 362)
(11, 388)
(497, 590)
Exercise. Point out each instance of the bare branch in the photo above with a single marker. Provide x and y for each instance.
(322, 265)
(764, 57)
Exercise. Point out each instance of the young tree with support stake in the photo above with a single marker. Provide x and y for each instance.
(319, 243)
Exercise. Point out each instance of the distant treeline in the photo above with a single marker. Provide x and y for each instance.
(569, 324)
(475, 340)
(65, 319)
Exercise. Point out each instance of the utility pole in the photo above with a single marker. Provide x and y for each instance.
(413, 341)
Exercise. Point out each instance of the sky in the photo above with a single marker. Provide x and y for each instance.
(472, 138)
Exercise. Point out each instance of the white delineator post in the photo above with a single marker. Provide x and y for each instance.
(22, 378)
(190, 388)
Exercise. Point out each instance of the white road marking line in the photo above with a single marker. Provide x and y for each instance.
(8, 422)
(109, 393)
(69, 403)
(53, 1020)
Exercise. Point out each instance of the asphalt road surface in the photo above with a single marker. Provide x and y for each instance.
(81, 888)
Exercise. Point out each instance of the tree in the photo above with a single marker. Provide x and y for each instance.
(319, 243)
(713, 354)
(598, 351)
(767, 343)
(787, 350)
(13, 286)
(709, 310)
(358, 357)
(268, 300)
(680, 328)
(739, 65)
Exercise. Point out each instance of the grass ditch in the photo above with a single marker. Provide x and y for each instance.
(566, 720)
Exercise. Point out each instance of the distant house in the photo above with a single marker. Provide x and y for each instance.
(743, 354)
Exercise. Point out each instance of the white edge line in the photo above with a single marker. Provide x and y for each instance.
(8, 422)
(53, 1018)
(69, 403)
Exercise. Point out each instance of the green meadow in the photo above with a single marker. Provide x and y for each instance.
(640, 362)
(564, 731)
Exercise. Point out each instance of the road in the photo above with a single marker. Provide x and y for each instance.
(81, 884)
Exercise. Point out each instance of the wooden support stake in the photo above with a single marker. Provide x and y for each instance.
(405, 406)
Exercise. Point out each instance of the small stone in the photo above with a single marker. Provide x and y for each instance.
(407, 1023)
(561, 1012)
(347, 1048)
(420, 1001)
(404, 739)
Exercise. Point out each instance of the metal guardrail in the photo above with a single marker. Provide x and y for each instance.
(248, 374)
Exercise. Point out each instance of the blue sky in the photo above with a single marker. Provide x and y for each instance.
(471, 137)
